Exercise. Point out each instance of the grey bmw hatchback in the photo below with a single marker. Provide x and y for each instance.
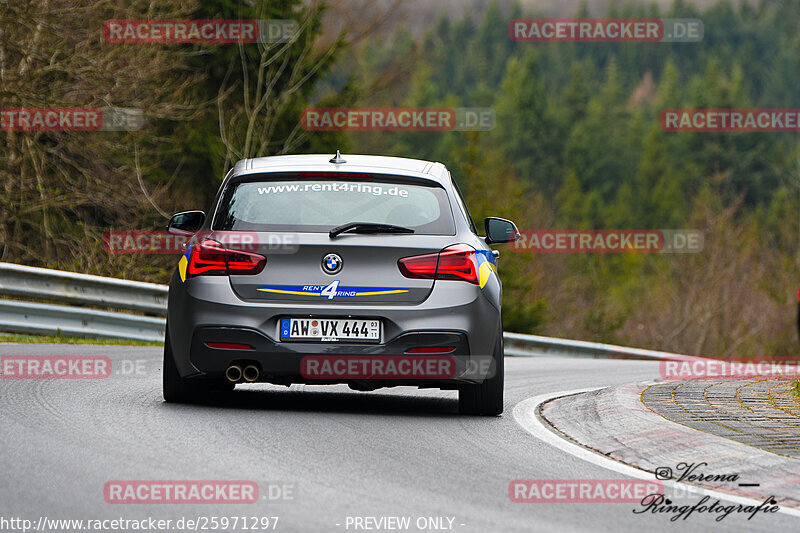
(356, 269)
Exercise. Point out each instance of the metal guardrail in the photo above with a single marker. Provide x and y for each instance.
(535, 345)
(46, 319)
(73, 288)
(82, 292)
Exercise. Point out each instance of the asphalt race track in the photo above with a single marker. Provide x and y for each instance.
(331, 452)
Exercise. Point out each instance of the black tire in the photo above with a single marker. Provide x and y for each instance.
(179, 390)
(486, 398)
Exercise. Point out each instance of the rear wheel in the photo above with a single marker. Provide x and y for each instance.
(486, 398)
(180, 390)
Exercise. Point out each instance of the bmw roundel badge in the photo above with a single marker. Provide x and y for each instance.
(332, 263)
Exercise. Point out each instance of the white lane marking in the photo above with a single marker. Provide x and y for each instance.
(525, 415)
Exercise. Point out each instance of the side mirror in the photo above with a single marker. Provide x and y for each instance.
(188, 221)
(500, 230)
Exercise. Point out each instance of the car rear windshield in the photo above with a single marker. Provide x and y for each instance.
(317, 204)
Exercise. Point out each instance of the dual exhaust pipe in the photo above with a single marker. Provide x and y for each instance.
(236, 373)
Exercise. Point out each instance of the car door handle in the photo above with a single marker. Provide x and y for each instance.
(496, 253)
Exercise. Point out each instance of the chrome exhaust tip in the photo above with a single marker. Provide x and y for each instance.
(251, 373)
(234, 373)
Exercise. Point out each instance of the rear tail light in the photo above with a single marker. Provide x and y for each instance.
(432, 349)
(210, 258)
(229, 346)
(419, 266)
(456, 262)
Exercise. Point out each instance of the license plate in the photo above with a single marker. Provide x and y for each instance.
(330, 330)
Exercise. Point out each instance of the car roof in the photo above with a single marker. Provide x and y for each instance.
(353, 163)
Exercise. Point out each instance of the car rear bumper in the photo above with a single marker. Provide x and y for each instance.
(288, 362)
(207, 310)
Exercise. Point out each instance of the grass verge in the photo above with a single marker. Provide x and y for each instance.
(58, 339)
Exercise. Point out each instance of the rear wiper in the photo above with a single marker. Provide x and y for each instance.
(368, 227)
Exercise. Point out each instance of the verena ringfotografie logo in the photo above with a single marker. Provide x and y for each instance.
(730, 120)
(658, 504)
(56, 367)
(702, 368)
(608, 241)
(377, 367)
(582, 490)
(180, 492)
(695, 473)
(70, 119)
(397, 119)
(605, 30)
(199, 31)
